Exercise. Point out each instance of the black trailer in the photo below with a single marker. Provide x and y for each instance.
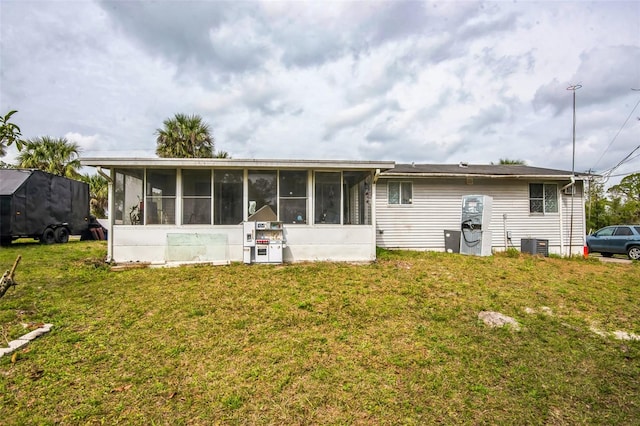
(39, 205)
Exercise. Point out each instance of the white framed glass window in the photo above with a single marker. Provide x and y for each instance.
(400, 192)
(327, 197)
(263, 193)
(128, 197)
(160, 202)
(196, 197)
(543, 198)
(227, 197)
(293, 196)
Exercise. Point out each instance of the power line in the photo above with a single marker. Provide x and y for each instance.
(625, 159)
(619, 130)
(626, 174)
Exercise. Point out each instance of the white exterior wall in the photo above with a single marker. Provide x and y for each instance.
(437, 206)
(352, 243)
(156, 243)
(579, 234)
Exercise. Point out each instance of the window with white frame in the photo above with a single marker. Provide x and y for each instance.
(128, 197)
(356, 205)
(400, 192)
(263, 192)
(543, 198)
(227, 197)
(293, 196)
(327, 197)
(160, 201)
(196, 197)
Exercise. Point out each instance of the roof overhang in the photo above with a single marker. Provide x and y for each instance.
(478, 176)
(109, 163)
(480, 171)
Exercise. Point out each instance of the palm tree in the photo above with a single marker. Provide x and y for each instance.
(54, 155)
(98, 194)
(184, 136)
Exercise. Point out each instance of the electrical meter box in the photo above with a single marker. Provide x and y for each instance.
(475, 237)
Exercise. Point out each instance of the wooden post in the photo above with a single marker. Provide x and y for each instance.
(7, 279)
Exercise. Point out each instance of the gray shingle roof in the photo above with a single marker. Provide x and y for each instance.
(476, 169)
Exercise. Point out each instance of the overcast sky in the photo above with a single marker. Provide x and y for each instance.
(424, 82)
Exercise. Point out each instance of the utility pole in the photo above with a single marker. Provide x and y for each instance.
(573, 88)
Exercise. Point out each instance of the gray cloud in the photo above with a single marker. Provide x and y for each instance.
(405, 81)
(354, 116)
(605, 73)
(385, 131)
(399, 20)
(194, 36)
(485, 121)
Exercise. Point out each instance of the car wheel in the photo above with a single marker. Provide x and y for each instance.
(606, 254)
(634, 252)
(62, 235)
(48, 236)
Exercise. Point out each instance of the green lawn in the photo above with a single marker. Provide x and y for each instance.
(393, 342)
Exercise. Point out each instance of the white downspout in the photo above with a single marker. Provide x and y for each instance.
(573, 181)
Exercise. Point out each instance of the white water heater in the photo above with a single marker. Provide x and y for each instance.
(475, 237)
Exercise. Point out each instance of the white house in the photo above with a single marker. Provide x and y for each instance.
(192, 210)
(416, 203)
(166, 210)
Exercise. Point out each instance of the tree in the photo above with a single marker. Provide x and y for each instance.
(618, 205)
(184, 136)
(508, 162)
(54, 155)
(98, 194)
(597, 207)
(625, 199)
(9, 134)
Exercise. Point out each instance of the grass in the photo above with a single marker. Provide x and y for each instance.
(393, 342)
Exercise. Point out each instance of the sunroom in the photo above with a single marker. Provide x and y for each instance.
(167, 211)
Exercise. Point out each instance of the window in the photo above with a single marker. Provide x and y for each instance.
(400, 192)
(293, 196)
(263, 194)
(623, 230)
(128, 201)
(160, 203)
(196, 196)
(357, 198)
(543, 198)
(327, 197)
(227, 197)
(605, 232)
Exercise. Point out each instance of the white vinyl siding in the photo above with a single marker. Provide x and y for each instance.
(437, 206)
(579, 225)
